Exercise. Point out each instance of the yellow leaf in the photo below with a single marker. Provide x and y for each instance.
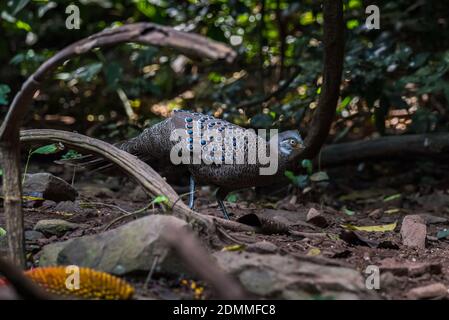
(381, 228)
(391, 211)
(314, 252)
(28, 198)
(236, 247)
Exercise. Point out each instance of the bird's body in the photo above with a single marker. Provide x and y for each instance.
(155, 144)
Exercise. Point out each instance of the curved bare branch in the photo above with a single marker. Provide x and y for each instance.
(145, 33)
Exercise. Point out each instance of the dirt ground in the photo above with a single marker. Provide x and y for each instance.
(372, 194)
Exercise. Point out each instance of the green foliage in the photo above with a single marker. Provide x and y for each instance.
(232, 198)
(48, 149)
(71, 154)
(160, 200)
(403, 67)
(4, 90)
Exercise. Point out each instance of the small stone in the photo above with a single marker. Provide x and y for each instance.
(68, 207)
(55, 227)
(414, 231)
(32, 235)
(48, 204)
(49, 187)
(315, 217)
(435, 290)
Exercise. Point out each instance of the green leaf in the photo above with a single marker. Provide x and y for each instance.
(392, 197)
(352, 24)
(2, 232)
(71, 154)
(4, 90)
(1, 172)
(232, 198)
(308, 165)
(85, 73)
(49, 149)
(443, 233)
(160, 200)
(300, 181)
(348, 212)
(22, 25)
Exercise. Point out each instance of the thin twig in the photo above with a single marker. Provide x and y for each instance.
(151, 272)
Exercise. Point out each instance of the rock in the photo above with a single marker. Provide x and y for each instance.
(32, 235)
(48, 204)
(68, 207)
(285, 277)
(414, 231)
(435, 290)
(262, 247)
(48, 187)
(316, 218)
(409, 269)
(128, 248)
(55, 227)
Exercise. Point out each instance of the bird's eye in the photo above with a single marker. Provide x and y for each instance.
(293, 142)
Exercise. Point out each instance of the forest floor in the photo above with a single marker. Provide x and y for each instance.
(370, 195)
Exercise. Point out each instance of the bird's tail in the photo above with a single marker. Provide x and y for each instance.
(93, 163)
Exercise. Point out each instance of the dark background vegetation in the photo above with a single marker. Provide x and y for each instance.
(395, 79)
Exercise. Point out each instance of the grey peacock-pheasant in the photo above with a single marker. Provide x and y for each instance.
(225, 151)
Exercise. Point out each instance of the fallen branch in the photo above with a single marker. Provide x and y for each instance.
(404, 146)
(144, 33)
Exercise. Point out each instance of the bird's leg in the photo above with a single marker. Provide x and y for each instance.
(192, 193)
(221, 195)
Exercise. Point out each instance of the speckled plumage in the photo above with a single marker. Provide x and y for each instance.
(154, 145)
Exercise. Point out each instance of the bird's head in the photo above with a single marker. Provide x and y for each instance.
(290, 144)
